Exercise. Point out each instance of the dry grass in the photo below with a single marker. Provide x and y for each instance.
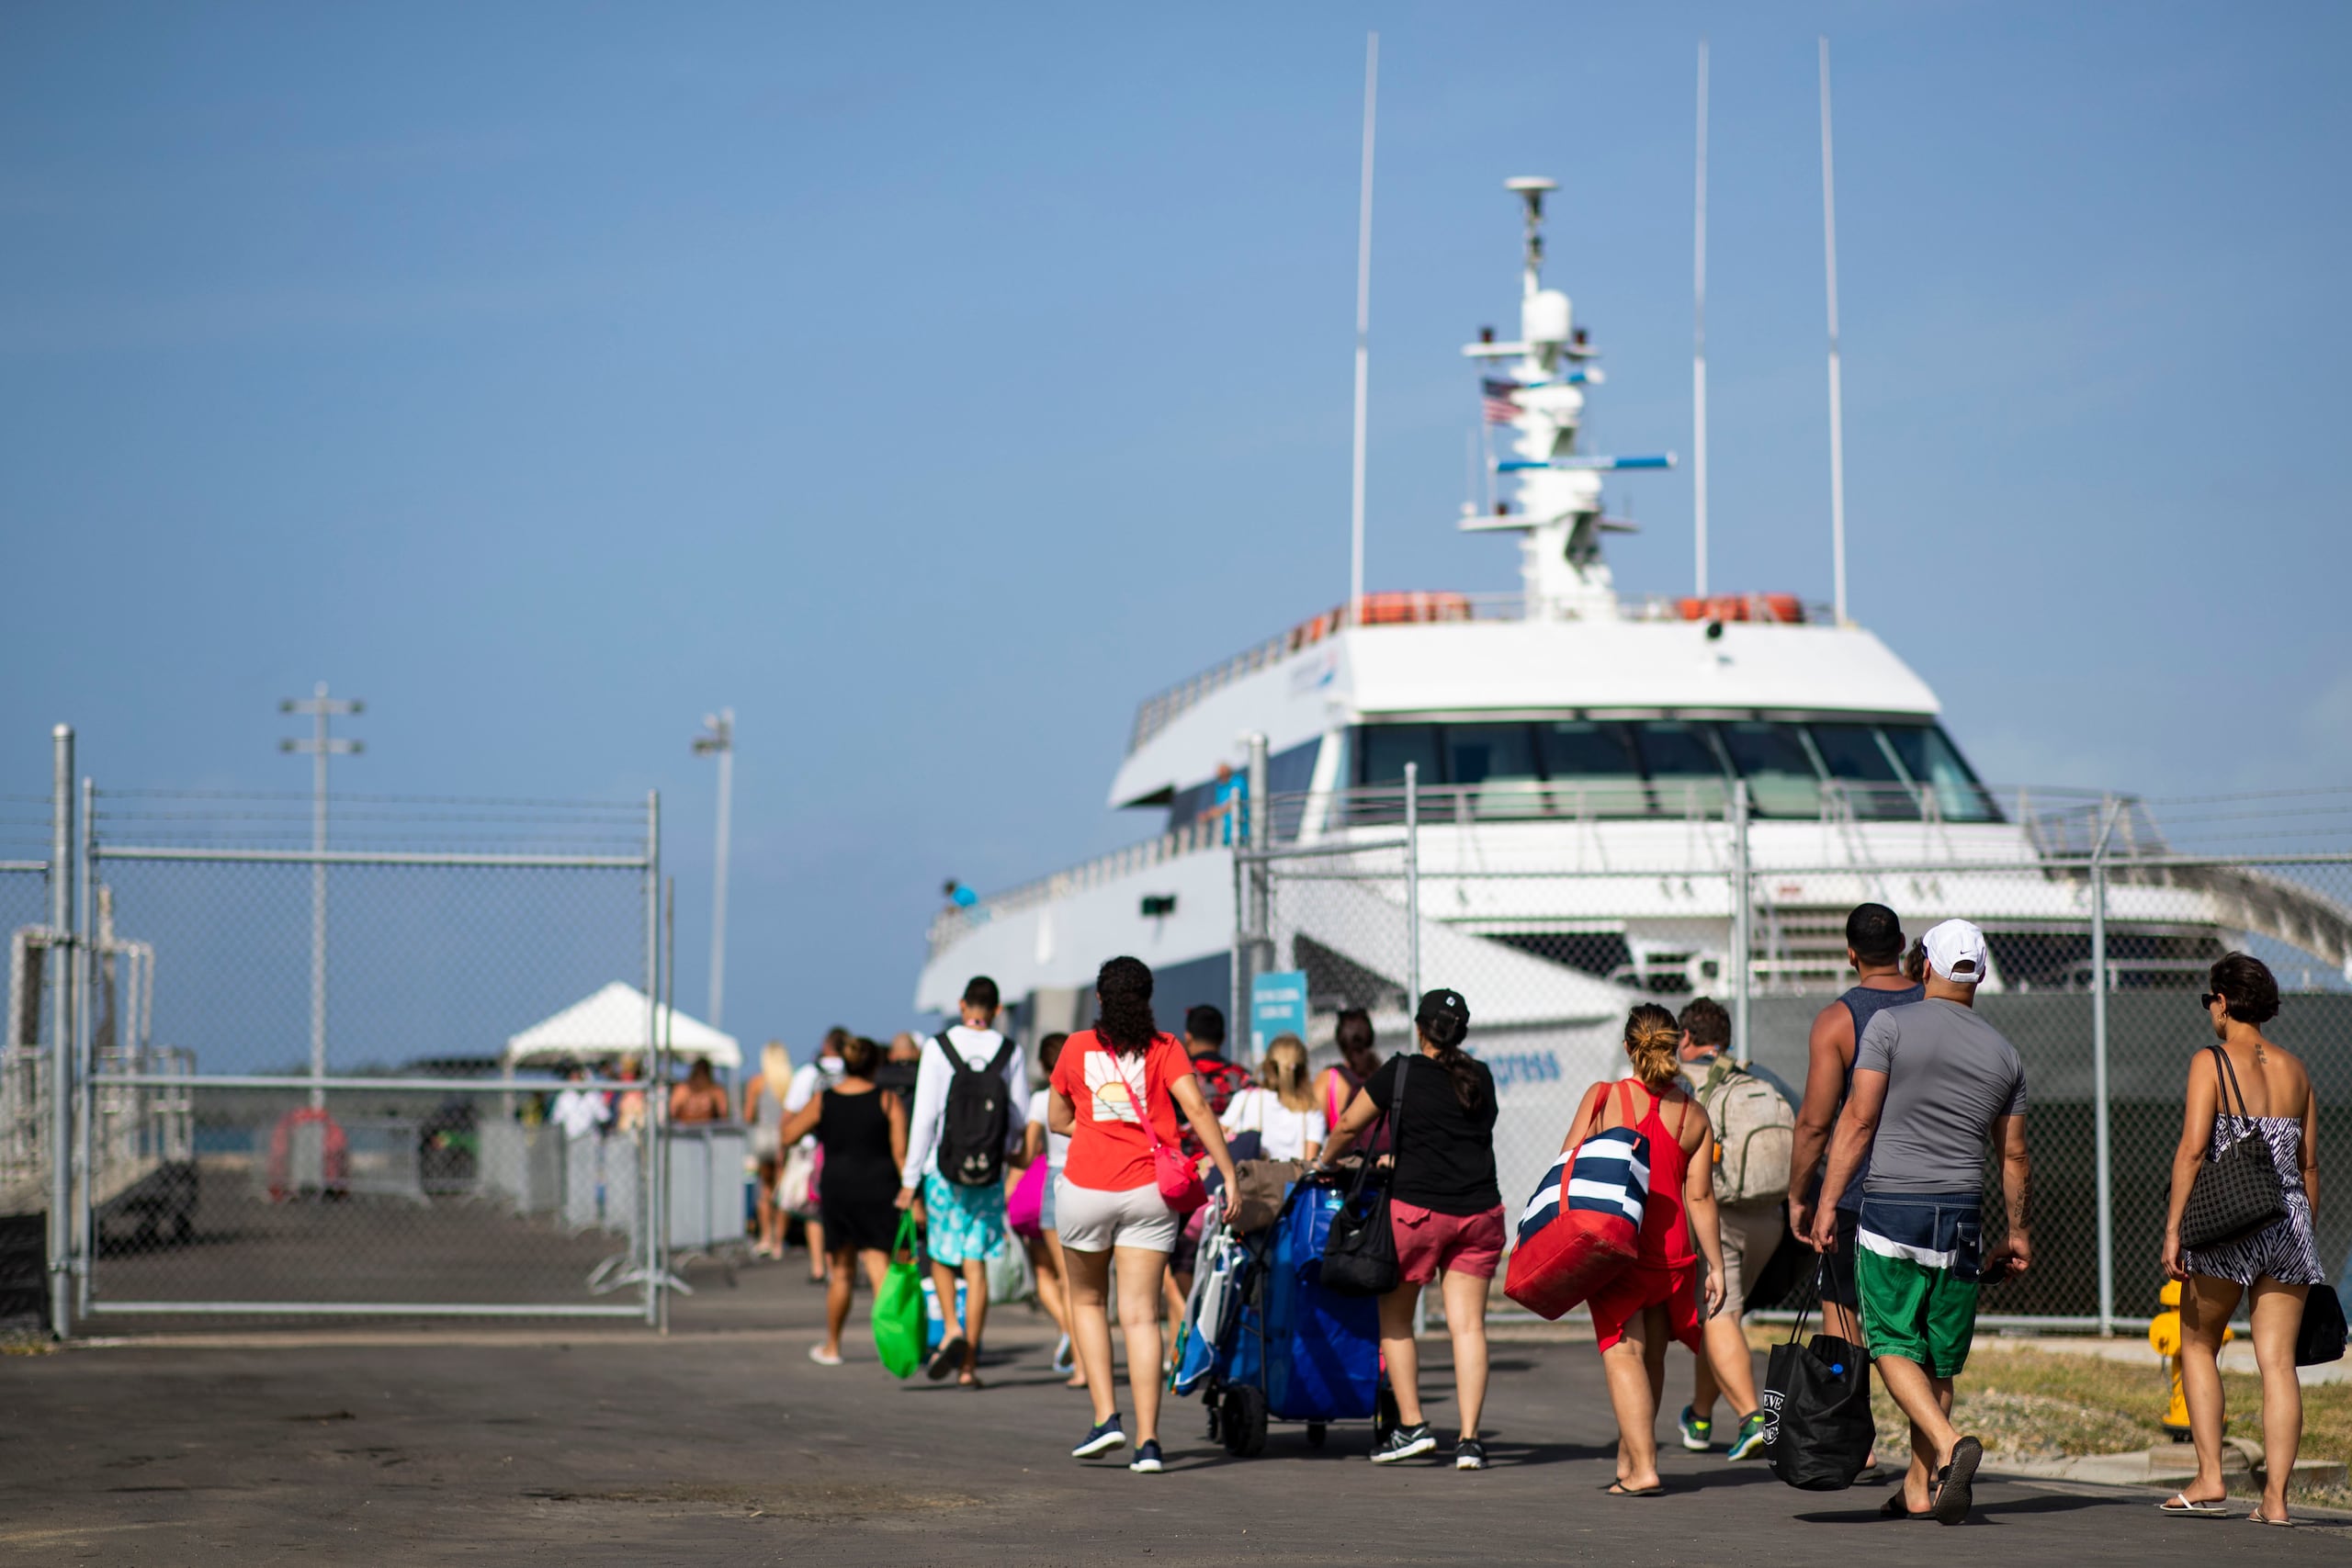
(2039, 1405)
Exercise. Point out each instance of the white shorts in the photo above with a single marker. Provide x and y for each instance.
(1094, 1221)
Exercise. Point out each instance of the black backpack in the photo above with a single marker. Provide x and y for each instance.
(979, 1117)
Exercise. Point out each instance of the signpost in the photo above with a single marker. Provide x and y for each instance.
(1277, 1006)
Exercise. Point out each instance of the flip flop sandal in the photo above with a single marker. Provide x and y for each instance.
(2181, 1505)
(1954, 1493)
(1618, 1489)
(1893, 1508)
(946, 1359)
(2258, 1516)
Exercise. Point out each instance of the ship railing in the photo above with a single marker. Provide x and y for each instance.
(1425, 607)
(952, 924)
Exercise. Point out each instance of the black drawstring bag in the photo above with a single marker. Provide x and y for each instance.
(1818, 1426)
(1360, 1254)
(2237, 1193)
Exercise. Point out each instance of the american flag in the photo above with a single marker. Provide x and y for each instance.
(1495, 403)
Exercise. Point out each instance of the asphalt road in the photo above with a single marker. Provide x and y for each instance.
(724, 1444)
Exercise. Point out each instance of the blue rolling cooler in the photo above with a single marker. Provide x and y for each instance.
(1295, 1351)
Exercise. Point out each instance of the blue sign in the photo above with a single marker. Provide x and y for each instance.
(1277, 1006)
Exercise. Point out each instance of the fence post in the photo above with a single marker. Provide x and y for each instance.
(647, 1187)
(2101, 1118)
(1258, 817)
(90, 975)
(1237, 980)
(1412, 887)
(63, 980)
(1741, 936)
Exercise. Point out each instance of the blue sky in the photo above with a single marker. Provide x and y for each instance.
(932, 384)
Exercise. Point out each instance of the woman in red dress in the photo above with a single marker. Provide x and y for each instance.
(1656, 1297)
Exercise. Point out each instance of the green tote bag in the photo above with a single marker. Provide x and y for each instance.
(898, 1306)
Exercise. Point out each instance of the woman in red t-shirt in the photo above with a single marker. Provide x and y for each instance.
(1106, 1201)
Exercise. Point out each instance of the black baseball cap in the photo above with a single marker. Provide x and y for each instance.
(1442, 1004)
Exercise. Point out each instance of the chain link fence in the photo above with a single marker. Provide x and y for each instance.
(2102, 916)
(300, 1099)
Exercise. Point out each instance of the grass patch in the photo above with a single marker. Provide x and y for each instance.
(2040, 1404)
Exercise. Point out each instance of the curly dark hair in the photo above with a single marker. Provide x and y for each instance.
(2246, 981)
(1706, 1022)
(1123, 992)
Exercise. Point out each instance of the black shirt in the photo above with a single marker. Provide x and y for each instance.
(1446, 1159)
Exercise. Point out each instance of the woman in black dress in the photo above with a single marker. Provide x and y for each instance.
(862, 1134)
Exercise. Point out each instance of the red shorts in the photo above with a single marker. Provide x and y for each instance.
(1647, 1285)
(1427, 1241)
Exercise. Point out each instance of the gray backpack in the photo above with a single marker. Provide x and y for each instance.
(1755, 1134)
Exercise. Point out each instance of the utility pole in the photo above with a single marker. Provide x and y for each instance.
(717, 738)
(320, 747)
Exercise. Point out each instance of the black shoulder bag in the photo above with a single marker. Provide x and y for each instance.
(1360, 1254)
(2237, 1193)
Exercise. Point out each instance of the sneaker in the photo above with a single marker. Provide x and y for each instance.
(1750, 1441)
(1698, 1434)
(1404, 1442)
(1062, 1361)
(1147, 1460)
(1469, 1454)
(1107, 1436)
(823, 1357)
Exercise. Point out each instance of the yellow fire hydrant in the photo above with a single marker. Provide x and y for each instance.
(2164, 1337)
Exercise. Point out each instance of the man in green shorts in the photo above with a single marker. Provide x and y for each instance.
(1933, 1083)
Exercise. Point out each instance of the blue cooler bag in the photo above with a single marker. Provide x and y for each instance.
(1325, 1347)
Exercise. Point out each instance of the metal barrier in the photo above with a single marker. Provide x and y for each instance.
(2101, 929)
(353, 1144)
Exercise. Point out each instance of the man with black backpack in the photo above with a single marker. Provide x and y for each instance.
(958, 1139)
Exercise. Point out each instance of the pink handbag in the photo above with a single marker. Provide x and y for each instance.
(1025, 1206)
(1180, 1187)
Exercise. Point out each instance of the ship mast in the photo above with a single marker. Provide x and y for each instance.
(1558, 513)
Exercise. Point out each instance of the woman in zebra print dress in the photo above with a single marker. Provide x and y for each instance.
(2271, 1099)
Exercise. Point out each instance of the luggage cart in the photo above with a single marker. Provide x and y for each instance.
(1290, 1350)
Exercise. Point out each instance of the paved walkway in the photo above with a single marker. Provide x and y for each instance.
(726, 1445)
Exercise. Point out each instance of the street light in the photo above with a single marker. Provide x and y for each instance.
(319, 746)
(717, 738)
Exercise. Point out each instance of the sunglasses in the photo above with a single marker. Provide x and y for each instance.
(2208, 998)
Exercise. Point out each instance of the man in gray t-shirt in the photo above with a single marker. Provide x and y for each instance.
(1934, 1085)
(1948, 1075)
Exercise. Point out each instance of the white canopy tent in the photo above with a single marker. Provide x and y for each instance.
(612, 1024)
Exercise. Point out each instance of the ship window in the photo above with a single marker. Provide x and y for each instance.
(1494, 766)
(1591, 770)
(1686, 773)
(1864, 769)
(1382, 750)
(1933, 761)
(1782, 779)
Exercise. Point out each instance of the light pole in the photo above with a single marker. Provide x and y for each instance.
(319, 746)
(717, 738)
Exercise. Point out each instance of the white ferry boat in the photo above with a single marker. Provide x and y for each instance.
(1569, 729)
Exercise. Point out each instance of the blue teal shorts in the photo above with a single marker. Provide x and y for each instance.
(962, 1223)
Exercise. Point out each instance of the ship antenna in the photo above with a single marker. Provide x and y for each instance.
(1837, 406)
(1699, 340)
(1363, 326)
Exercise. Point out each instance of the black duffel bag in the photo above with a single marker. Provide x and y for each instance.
(1818, 1431)
(2321, 1339)
(1359, 1253)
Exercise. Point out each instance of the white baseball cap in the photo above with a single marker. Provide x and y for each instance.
(1956, 952)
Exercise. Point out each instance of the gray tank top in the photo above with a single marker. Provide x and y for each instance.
(1864, 1003)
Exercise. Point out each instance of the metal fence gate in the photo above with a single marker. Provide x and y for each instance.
(291, 1097)
(2101, 929)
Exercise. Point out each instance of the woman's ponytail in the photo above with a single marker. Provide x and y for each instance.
(1444, 1030)
(1652, 1039)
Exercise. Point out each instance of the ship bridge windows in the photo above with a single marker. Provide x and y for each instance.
(1667, 767)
